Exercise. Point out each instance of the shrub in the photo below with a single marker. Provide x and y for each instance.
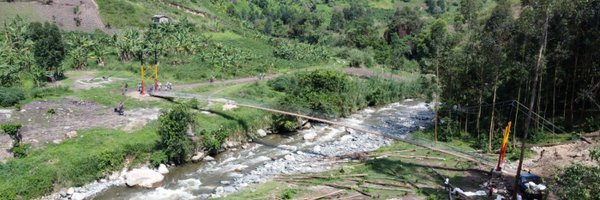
(10, 96)
(298, 51)
(12, 130)
(173, 129)
(288, 193)
(158, 158)
(284, 123)
(212, 140)
(51, 111)
(193, 103)
(592, 124)
(19, 150)
(360, 58)
(578, 181)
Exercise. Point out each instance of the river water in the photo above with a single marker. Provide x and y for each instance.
(275, 155)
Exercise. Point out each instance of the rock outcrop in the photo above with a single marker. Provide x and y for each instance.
(144, 178)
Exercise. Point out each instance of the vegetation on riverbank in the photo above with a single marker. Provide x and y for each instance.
(75, 162)
(332, 94)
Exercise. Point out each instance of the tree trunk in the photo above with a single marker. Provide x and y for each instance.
(479, 113)
(539, 99)
(531, 104)
(554, 97)
(480, 101)
(490, 135)
(437, 98)
(514, 138)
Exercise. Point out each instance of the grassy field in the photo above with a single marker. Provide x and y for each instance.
(74, 162)
(10, 10)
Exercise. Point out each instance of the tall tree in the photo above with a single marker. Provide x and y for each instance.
(48, 47)
(495, 37)
(173, 129)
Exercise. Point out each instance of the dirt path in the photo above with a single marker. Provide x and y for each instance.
(222, 82)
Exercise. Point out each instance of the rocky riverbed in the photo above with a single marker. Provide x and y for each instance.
(309, 150)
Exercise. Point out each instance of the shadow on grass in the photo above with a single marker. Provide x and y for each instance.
(241, 122)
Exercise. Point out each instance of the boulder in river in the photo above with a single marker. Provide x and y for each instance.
(262, 133)
(162, 168)
(144, 178)
(231, 144)
(78, 196)
(310, 136)
(198, 156)
(208, 158)
(306, 125)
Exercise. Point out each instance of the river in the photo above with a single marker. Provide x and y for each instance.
(281, 154)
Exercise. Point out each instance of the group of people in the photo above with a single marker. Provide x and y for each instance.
(168, 86)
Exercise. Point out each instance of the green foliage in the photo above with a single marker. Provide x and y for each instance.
(358, 58)
(332, 94)
(12, 130)
(284, 123)
(51, 111)
(48, 47)
(288, 193)
(174, 124)
(212, 140)
(298, 51)
(158, 158)
(10, 96)
(73, 162)
(592, 124)
(20, 150)
(193, 103)
(578, 181)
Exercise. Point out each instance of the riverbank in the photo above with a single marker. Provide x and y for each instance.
(312, 150)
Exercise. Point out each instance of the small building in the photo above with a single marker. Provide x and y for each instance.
(159, 19)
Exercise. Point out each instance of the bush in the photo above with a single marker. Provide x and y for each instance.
(212, 140)
(288, 193)
(158, 158)
(578, 181)
(298, 51)
(361, 58)
(20, 150)
(592, 124)
(12, 130)
(173, 129)
(284, 123)
(10, 96)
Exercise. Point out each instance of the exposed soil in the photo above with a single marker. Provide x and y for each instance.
(62, 13)
(40, 127)
(554, 157)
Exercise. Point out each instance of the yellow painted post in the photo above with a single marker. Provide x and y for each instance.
(142, 78)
